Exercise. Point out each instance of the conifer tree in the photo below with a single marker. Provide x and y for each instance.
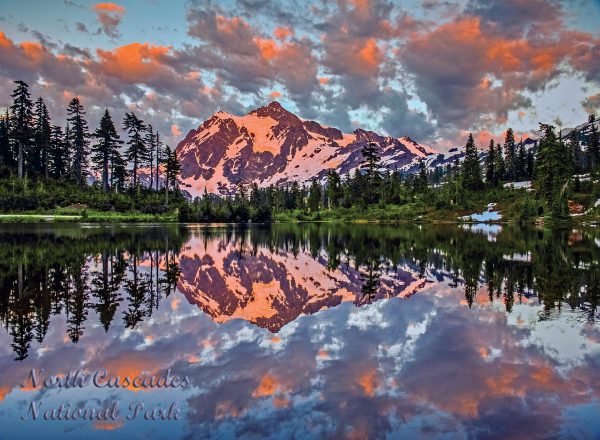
(172, 170)
(42, 134)
(150, 142)
(118, 171)
(551, 169)
(499, 164)
(594, 149)
(5, 150)
(510, 154)
(370, 164)
(59, 154)
(157, 153)
(137, 150)
(79, 140)
(521, 162)
(490, 170)
(314, 196)
(530, 165)
(471, 171)
(334, 189)
(104, 150)
(421, 181)
(21, 123)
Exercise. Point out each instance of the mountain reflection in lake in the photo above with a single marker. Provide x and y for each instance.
(307, 331)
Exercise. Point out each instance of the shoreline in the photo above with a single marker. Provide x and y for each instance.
(112, 217)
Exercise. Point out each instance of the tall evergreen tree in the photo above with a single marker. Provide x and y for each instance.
(172, 170)
(334, 189)
(521, 162)
(510, 154)
(421, 181)
(529, 170)
(490, 166)
(137, 150)
(551, 169)
(79, 140)
(118, 171)
(471, 171)
(314, 196)
(5, 150)
(104, 150)
(21, 123)
(150, 142)
(593, 149)
(59, 154)
(157, 153)
(370, 164)
(39, 158)
(499, 164)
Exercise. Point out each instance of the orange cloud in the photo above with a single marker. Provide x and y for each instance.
(268, 48)
(135, 62)
(323, 80)
(281, 33)
(275, 94)
(369, 382)
(109, 16)
(109, 7)
(175, 131)
(370, 54)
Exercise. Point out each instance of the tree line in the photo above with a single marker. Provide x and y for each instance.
(31, 146)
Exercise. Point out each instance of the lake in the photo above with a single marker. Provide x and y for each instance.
(298, 331)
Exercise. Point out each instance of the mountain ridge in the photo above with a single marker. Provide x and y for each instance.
(272, 146)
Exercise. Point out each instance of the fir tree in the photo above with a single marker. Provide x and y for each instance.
(314, 196)
(421, 181)
(334, 189)
(39, 161)
(593, 149)
(499, 165)
(521, 162)
(21, 123)
(157, 153)
(370, 164)
(78, 139)
(59, 154)
(490, 166)
(511, 156)
(118, 171)
(529, 170)
(151, 143)
(107, 146)
(471, 171)
(5, 150)
(137, 150)
(551, 170)
(172, 170)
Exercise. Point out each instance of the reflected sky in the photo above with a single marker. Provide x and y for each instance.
(280, 337)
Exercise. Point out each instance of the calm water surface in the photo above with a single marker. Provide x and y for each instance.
(299, 331)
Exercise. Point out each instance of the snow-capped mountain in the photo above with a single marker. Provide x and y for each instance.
(272, 146)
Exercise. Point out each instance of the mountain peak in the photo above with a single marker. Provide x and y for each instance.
(277, 112)
(272, 146)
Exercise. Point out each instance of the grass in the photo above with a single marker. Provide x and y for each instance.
(88, 216)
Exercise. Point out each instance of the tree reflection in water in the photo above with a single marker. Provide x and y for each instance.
(47, 271)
